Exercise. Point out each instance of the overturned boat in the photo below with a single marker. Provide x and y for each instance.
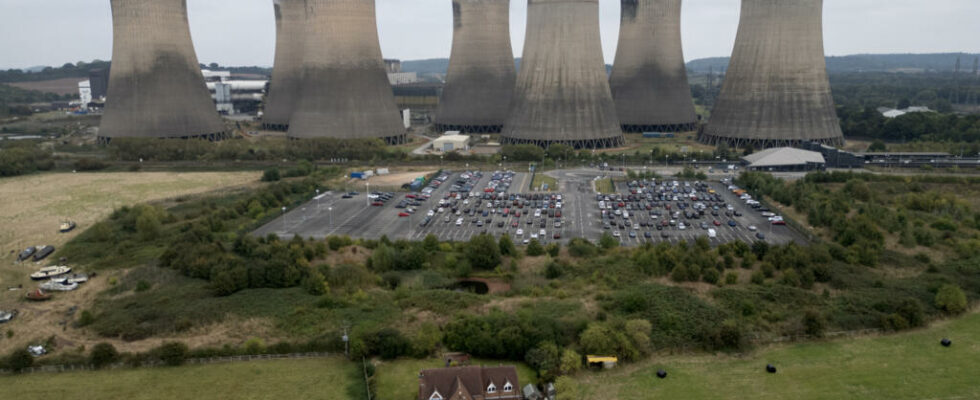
(43, 253)
(59, 285)
(27, 253)
(50, 272)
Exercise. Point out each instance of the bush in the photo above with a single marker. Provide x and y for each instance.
(172, 353)
(813, 323)
(553, 270)
(731, 278)
(103, 354)
(483, 252)
(534, 249)
(581, 248)
(19, 360)
(90, 164)
(951, 299)
(271, 175)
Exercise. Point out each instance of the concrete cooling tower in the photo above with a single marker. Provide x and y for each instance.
(562, 93)
(776, 91)
(480, 82)
(649, 79)
(345, 91)
(156, 89)
(284, 87)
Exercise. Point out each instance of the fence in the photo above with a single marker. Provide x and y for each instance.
(151, 364)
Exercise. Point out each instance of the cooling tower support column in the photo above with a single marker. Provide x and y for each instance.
(345, 89)
(156, 89)
(562, 93)
(284, 87)
(480, 81)
(649, 78)
(776, 90)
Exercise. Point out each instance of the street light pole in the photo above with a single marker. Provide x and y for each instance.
(284, 228)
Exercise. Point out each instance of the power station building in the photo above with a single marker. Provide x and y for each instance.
(649, 78)
(345, 92)
(156, 89)
(776, 91)
(284, 87)
(562, 93)
(481, 76)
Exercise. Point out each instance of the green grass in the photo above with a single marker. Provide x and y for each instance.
(605, 186)
(329, 379)
(541, 179)
(905, 366)
(398, 380)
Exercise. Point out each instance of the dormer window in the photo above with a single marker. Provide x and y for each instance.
(508, 387)
(435, 396)
(492, 388)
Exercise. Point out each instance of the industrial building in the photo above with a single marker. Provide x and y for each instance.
(776, 90)
(649, 78)
(481, 76)
(784, 159)
(836, 158)
(284, 87)
(577, 110)
(345, 91)
(156, 89)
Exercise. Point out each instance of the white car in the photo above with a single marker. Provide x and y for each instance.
(753, 228)
(459, 222)
(430, 213)
(616, 234)
(681, 226)
(543, 233)
(534, 236)
(520, 232)
(527, 241)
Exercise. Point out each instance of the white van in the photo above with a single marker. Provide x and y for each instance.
(712, 234)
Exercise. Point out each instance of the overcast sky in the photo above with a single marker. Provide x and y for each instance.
(242, 32)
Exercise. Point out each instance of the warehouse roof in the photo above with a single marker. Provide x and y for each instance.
(782, 156)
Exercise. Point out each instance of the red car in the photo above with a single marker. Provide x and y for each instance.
(403, 215)
(514, 225)
(779, 222)
(716, 223)
(557, 235)
(558, 214)
(378, 204)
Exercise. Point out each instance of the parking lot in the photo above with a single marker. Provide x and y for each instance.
(459, 205)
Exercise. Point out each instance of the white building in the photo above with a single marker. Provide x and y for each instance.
(85, 93)
(451, 141)
(403, 78)
(785, 159)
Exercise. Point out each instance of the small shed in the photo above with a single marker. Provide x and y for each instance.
(605, 362)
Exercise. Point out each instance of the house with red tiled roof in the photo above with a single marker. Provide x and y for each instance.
(469, 383)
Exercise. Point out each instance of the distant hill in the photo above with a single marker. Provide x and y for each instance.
(940, 62)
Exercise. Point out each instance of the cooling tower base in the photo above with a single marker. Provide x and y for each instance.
(671, 128)
(713, 140)
(469, 128)
(212, 137)
(576, 144)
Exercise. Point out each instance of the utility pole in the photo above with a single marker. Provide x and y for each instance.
(346, 340)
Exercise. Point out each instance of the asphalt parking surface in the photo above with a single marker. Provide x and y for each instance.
(332, 214)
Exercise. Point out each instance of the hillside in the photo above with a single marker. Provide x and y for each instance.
(942, 62)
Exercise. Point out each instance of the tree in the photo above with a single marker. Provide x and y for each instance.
(483, 252)
(383, 258)
(546, 359)
(103, 354)
(599, 340)
(571, 362)
(430, 243)
(271, 175)
(951, 299)
(507, 247)
(534, 248)
(554, 249)
(638, 331)
(315, 284)
(608, 242)
(878, 146)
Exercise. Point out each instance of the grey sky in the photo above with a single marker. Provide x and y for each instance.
(242, 32)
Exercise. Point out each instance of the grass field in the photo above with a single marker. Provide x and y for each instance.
(605, 186)
(541, 179)
(398, 380)
(329, 379)
(33, 206)
(906, 366)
